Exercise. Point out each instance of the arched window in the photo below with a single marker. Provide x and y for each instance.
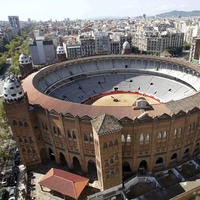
(123, 138)
(69, 134)
(23, 150)
(164, 134)
(106, 164)
(116, 170)
(175, 133)
(91, 137)
(30, 141)
(85, 137)
(25, 124)
(128, 139)
(110, 144)
(159, 136)
(116, 157)
(141, 138)
(112, 173)
(147, 138)
(111, 161)
(105, 145)
(180, 131)
(116, 142)
(25, 140)
(14, 123)
(74, 135)
(20, 140)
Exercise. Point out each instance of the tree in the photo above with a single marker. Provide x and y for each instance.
(4, 126)
(14, 70)
(186, 46)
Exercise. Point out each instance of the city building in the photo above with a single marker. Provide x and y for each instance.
(156, 41)
(42, 51)
(195, 50)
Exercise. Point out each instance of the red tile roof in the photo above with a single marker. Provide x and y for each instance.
(64, 182)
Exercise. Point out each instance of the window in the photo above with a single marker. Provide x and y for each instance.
(107, 176)
(123, 138)
(116, 142)
(91, 137)
(106, 164)
(110, 144)
(14, 123)
(147, 138)
(128, 139)
(25, 124)
(69, 134)
(159, 136)
(85, 137)
(105, 145)
(111, 161)
(141, 138)
(74, 135)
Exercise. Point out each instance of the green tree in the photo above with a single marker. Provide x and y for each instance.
(186, 46)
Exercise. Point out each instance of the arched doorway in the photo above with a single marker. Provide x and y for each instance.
(173, 158)
(143, 167)
(43, 155)
(76, 166)
(159, 163)
(126, 170)
(92, 170)
(63, 161)
(51, 155)
(126, 167)
(186, 153)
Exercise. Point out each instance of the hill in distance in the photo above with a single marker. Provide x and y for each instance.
(176, 13)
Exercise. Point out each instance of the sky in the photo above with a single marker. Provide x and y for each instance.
(84, 9)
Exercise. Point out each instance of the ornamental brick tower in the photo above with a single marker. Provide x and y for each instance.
(108, 150)
(25, 65)
(126, 48)
(61, 55)
(22, 119)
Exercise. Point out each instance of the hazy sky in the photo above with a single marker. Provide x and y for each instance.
(83, 9)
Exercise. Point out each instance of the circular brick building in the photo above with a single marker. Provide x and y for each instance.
(158, 129)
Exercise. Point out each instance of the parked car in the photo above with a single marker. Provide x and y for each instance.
(3, 194)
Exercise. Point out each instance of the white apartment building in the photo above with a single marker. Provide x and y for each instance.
(156, 42)
(102, 43)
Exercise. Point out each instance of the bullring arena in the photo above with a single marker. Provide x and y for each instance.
(116, 114)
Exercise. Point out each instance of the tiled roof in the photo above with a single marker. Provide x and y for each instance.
(64, 182)
(106, 124)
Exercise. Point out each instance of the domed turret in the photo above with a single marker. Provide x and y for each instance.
(24, 59)
(126, 49)
(12, 90)
(61, 56)
(25, 65)
(126, 45)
